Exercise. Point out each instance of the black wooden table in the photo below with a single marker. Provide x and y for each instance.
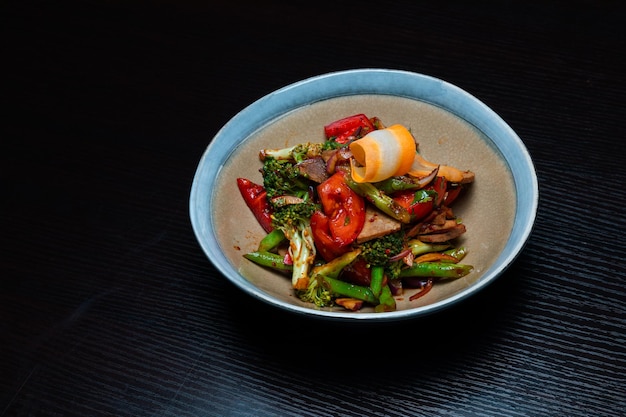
(108, 306)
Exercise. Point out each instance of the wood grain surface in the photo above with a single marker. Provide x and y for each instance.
(108, 306)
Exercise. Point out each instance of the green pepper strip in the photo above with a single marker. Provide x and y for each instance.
(271, 240)
(437, 270)
(268, 259)
(346, 289)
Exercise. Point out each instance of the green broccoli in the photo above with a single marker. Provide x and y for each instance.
(282, 177)
(321, 290)
(294, 221)
(317, 292)
(297, 153)
(301, 151)
(377, 252)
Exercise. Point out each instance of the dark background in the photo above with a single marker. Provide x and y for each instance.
(108, 306)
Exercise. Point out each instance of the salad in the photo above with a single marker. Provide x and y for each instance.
(359, 218)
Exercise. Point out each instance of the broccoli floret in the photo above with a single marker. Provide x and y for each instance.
(282, 177)
(304, 151)
(294, 221)
(317, 292)
(297, 153)
(378, 251)
(393, 269)
(294, 215)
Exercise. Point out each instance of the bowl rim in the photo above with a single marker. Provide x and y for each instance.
(362, 81)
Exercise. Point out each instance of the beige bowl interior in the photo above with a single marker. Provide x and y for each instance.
(487, 209)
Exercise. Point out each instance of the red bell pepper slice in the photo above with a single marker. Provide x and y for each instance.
(343, 206)
(452, 193)
(357, 125)
(326, 245)
(255, 197)
(420, 209)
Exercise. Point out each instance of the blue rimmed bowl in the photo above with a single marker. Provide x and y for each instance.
(451, 126)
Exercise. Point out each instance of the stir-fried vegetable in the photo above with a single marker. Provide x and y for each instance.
(358, 218)
(294, 221)
(255, 197)
(344, 208)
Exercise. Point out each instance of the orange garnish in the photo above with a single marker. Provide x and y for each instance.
(382, 154)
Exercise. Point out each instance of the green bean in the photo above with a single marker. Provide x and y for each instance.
(436, 270)
(382, 201)
(333, 268)
(387, 302)
(346, 289)
(393, 184)
(419, 248)
(269, 259)
(271, 240)
(458, 253)
(377, 276)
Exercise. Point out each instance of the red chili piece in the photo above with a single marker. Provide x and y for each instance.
(419, 210)
(255, 197)
(357, 125)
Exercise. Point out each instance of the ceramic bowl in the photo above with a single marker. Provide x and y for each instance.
(451, 126)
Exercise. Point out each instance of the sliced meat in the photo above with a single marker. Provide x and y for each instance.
(437, 227)
(377, 224)
(444, 236)
(314, 169)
